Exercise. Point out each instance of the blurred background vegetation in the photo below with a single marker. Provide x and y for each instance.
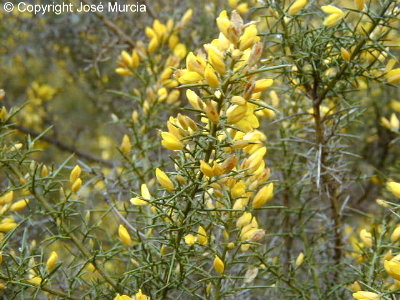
(60, 68)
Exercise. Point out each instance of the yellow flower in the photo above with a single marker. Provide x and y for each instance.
(219, 265)
(164, 180)
(297, 6)
(242, 8)
(206, 169)
(188, 77)
(233, 3)
(138, 202)
(75, 174)
(35, 280)
(52, 261)
(264, 195)
(330, 9)
(194, 99)
(248, 38)
(171, 142)
(251, 232)
(125, 146)
(396, 234)
(256, 159)
(211, 112)
(135, 59)
(360, 4)
(262, 85)
(299, 259)
(393, 76)
(392, 124)
(190, 239)
(366, 238)
(145, 193)
(195, 63)
(76, 186)
(187, 16)
(3, 113)
(244, 220)
(335, 15)
(7, 197)
(44, 172)
(235, 113)
(140, 296)
(223, 23)
(122, 297)
(392, 267)
(345, 54)
(364, 295)
(123, 72)
(150, 32)
(180, 50)
(394, 187)
(211, 77)
(6, 227)
(395, 105)
(173, 96)
(124, 235)
(126, 59)
(19, 205)
(355, 286)
(153, 45)
(202, 236)
(216, 58)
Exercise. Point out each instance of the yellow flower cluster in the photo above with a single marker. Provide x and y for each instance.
(6, 206)
(334, 15)
(365, 244)
(230, 150)
(75, 180)
(158, 68)
(35, 111)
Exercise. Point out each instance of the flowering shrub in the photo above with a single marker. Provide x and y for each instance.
(244, 149)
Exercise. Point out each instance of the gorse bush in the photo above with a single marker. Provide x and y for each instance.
(247, 149)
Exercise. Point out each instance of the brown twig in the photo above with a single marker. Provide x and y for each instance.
(114, 28)
(327, 181)
(64, 146)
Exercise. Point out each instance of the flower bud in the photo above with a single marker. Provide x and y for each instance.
(211, 77)
(297, 6)
(202, 238)
(264, 195)
(75, 174)
(19, 205)
(171, 142)
(219, 265)
(164, 180)
(124, 235)
(125, 146)
(394, 187)
(76, 186)
(52, 261)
